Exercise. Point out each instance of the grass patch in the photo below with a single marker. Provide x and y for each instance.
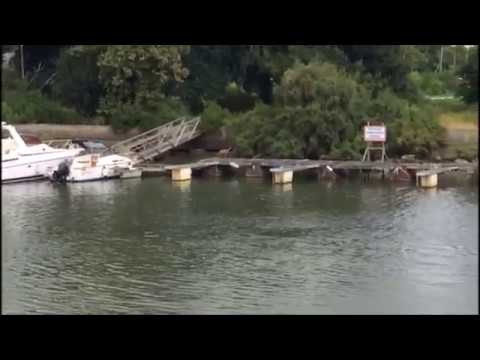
(465, 119)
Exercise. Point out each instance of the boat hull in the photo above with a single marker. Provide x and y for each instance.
(34, 167)
(93, 167)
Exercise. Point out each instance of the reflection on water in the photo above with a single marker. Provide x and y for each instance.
(183, 186)
(241, 246)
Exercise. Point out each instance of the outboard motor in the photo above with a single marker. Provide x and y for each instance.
(60, 175)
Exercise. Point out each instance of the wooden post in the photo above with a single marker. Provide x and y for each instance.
(22, 62)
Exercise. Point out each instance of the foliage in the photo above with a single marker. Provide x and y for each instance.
(392, 62)
(236, 99)
(12, 82)
(279, 100)
(434, 83)
(209, 75)
(418, 133)
(138, 74)
(77, 81)
(322, 83)
(21, 105)
(320, 111)
(469, 73)
(127, 116)
(33, 107)
(264, 131)
(214, 117)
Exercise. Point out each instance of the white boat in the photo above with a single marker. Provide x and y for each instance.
(26, 162)
(92, 167)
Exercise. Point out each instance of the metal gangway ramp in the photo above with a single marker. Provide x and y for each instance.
(150, 144)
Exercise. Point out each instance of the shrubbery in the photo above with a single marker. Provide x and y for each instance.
(320, 111)
(127, 116)
(214, 117)
(21, 105)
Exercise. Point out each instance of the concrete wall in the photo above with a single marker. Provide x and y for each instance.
(91, 132)
(212, 142)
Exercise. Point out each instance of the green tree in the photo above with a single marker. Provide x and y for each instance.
(209, 74)
(77, 82)
(318, 109)
(139, 74)
(469, 74)
(392, 62)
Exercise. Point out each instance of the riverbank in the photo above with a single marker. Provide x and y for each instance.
(214, 141)
(461, 137)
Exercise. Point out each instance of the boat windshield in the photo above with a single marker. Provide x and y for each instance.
(5, 134)
(30, 139)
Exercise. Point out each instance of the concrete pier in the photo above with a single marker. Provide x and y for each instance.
(429, 181)
(182, 174)
(429, 178)
(283, 177)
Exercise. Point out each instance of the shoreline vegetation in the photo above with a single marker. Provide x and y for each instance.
(272, 101)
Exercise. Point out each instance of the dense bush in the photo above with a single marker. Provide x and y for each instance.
(32, 107)
(21, 105)
(128, 116)
(434, 83)
(320, 111)
(468, 88)
(214, 117)
(236, 100)
(417, 133)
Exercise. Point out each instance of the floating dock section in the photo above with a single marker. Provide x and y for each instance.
(282, 171)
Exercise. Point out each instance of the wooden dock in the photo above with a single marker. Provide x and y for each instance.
(282, 170)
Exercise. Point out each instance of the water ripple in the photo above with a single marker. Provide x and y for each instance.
(150, 247)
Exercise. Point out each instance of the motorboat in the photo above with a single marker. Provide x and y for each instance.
(27, 160)
(91, 167)
(90, 146)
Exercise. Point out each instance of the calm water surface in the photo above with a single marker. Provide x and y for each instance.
(239, 246)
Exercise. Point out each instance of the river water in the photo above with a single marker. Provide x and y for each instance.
(239, 246)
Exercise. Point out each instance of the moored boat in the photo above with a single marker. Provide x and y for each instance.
(93, 167)
(27, 159)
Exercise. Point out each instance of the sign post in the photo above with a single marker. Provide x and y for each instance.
(375, 136)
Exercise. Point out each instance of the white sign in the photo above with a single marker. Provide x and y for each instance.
(375, 133)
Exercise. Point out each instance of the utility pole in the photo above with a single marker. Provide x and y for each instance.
(455, 58)
(22, 65)
(441, 59)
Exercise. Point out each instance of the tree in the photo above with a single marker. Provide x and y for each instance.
(392, 62)
(469, 74)
(77, 81)
(209, 75)
(139, 74)
(318, 109)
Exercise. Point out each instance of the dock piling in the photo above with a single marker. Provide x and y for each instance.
(182, 174)
(283, 177)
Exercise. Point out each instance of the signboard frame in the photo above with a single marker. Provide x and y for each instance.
(375, 133)
(375, 143)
